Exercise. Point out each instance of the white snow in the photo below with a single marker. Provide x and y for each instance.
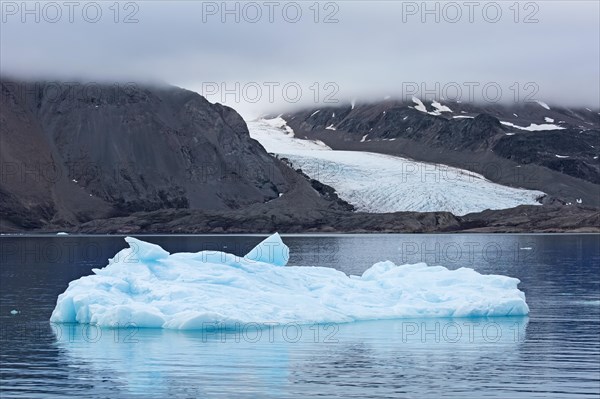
(146, 286)
(279, 122)
(316, 112)
(383, 183)
(462, 117)
(62, 233)
(534, 127)
(74, 181)
(276, 141)
(510, 134)
(549, 120)
(579, 201)
(543, 104)
(561, 156)
(363, 138)
(516, 115)
(420, 106)
(440, 108)
(330, 127)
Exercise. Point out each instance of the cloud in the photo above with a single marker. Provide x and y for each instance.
(265, 56)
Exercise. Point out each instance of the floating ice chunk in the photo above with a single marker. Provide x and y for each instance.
(62, 233)
(14, 312)
(271, 250)
(147, 286)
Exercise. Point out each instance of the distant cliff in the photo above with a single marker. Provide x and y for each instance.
(71, 153)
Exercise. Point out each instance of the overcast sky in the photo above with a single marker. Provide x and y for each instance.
(547, 50)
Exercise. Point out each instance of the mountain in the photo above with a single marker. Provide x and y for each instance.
(533, 146)
(100, 158)
(75, 153)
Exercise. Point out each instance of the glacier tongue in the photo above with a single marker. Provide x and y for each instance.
(379, 183)
(149, 287)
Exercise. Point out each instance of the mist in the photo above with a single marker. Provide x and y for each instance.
(267, 57)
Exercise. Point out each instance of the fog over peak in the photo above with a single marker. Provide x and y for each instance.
(261, 57)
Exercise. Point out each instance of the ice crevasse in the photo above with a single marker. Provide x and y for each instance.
(147, 286)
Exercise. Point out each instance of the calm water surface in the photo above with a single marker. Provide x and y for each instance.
(555, 352)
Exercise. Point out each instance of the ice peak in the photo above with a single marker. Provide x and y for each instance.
(145, 251)
(270, 250)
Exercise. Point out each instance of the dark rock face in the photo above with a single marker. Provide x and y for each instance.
(266, 218)
(69, 156)
(563, 163)
(568, 151)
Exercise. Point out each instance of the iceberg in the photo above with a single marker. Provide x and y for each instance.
(146, 286)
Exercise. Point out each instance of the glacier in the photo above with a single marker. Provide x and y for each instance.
(378, 183)
(146, 286)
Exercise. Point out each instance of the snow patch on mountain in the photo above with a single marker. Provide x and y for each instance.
(440, 108)
(420, 106)
(543, 104)
(534, 127)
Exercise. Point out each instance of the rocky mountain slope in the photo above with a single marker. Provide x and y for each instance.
(533, 146)
(71, 154)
